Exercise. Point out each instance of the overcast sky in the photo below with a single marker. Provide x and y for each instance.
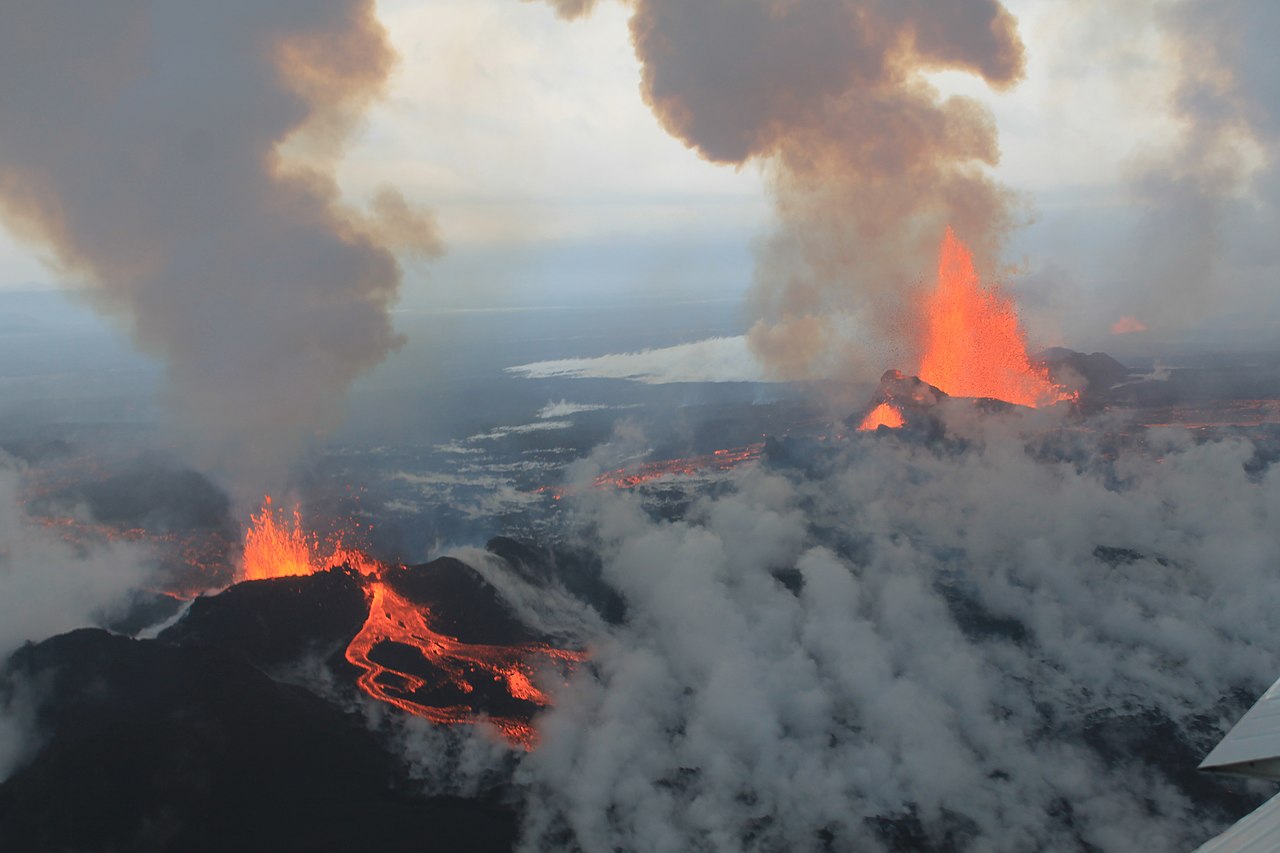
(527, 136)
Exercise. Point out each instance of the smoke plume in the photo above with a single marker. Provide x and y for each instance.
(865, 160)
(1019, 645)
(177, 158)
(1210, 203)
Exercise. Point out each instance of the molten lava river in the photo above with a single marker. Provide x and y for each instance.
(276, 547)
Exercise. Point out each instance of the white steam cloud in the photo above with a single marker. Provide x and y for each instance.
(865, 160)
(964, 619)
(48, 586)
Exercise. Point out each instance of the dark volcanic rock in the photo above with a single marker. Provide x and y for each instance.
(533, 564)
(143, 610)
(156, 746)
(277, 621)
(155, 495)
(1149, 737)
(462, 603)
(914, 398)
(581, 572)
(1092, 375)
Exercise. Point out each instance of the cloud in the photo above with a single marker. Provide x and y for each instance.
(959, 637)
(865, 160)
(48, 586)
(1207, 198)
(178, 160)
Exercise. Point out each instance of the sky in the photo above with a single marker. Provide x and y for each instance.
(550, 177)
(522, 132)
(517, 128)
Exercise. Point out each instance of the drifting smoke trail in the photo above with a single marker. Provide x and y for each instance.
(1025, 645)
(866, 161)
(1210, 203)
(144, 144)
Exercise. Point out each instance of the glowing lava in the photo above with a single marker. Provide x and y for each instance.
(719, 460)
(395, 619)
(885, 414)
(973, 345)
(280, 548)
(277, 547)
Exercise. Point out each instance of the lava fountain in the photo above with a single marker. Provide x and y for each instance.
(974, 345)
(277, 546)
(280, 547)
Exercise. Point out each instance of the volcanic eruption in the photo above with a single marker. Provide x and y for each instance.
(973, 344)
(692, 626)
(405, 661)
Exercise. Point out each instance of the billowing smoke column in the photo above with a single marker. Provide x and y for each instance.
(1211, 201)
(177, 158)
(866, 162)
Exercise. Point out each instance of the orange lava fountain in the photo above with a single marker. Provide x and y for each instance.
(277, 549)
(974, 346)
(280, 547)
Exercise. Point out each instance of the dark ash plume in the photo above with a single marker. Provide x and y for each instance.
(177, 158)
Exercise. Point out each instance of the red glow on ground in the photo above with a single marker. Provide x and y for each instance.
(1127, 326)
(883, 415)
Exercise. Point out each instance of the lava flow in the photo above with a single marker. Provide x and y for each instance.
(276, 548)
(974, 346)
(395, 619)
(688, 466)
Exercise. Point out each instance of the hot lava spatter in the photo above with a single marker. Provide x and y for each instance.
(400, 629)
(974, 345)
